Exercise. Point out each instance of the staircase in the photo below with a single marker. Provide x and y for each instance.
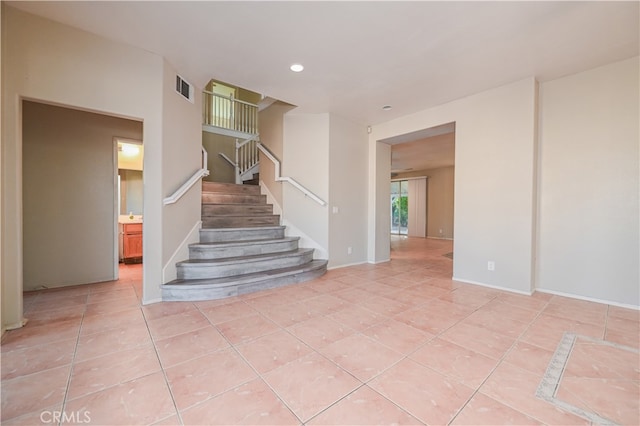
(242, 249)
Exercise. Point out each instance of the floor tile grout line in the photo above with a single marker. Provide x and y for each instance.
(363, 385)
(163, 369)
(73, 364)
(360, 386)
(500, 361)
(70, 365)
(548, 388)
(540, 311)
(369, 380)
(255, 370)
(408, 356)
(318, 352)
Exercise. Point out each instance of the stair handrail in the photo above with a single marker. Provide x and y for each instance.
(199, 174)
(292, 181)
(227, 159)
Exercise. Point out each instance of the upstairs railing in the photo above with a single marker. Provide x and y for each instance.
(247, 156)
(247, 159)
(229, 113)
(226, 112)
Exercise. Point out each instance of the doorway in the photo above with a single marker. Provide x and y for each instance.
(69, 194)
(399, 207)
(130, 200)
(427, 154)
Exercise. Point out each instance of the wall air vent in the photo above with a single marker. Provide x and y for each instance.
(184, 88)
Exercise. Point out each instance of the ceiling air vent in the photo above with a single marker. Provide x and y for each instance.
(184, 88)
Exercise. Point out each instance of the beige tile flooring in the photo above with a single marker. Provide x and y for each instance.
(395, 343)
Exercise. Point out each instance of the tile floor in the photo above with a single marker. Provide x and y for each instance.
(395, 343)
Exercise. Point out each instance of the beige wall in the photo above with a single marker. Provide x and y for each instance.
(378, 198)
(271, 121)
(589, 184)
(53, 63)
(12, 316)
(68, 193)
(322, 152)
(219, 169)
(347, 176)
(440, 193)
(50, 62)
(306, 159)
(494, 209)
(181, 158)
(572, 201)
(248, 96)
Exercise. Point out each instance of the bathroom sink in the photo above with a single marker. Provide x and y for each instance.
(125, 218)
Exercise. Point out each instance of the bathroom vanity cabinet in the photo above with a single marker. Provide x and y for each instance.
(132, 242)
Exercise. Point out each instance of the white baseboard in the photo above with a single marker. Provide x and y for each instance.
(152, 301)
(15, 325)
(270, 198)
(375, 262)
(346, 266)
(510, 290)
(588, 299)
(305, 241)
(292, 230)
(169, 272)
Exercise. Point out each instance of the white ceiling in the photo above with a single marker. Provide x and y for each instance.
(423, 154)
(424, 149)
(360, 56)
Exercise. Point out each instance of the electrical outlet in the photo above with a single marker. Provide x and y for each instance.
(349, 250)
(491, 265)
(440, 231)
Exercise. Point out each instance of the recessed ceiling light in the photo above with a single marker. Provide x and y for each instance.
(129, 150)
(296, 67)
(386, 107)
